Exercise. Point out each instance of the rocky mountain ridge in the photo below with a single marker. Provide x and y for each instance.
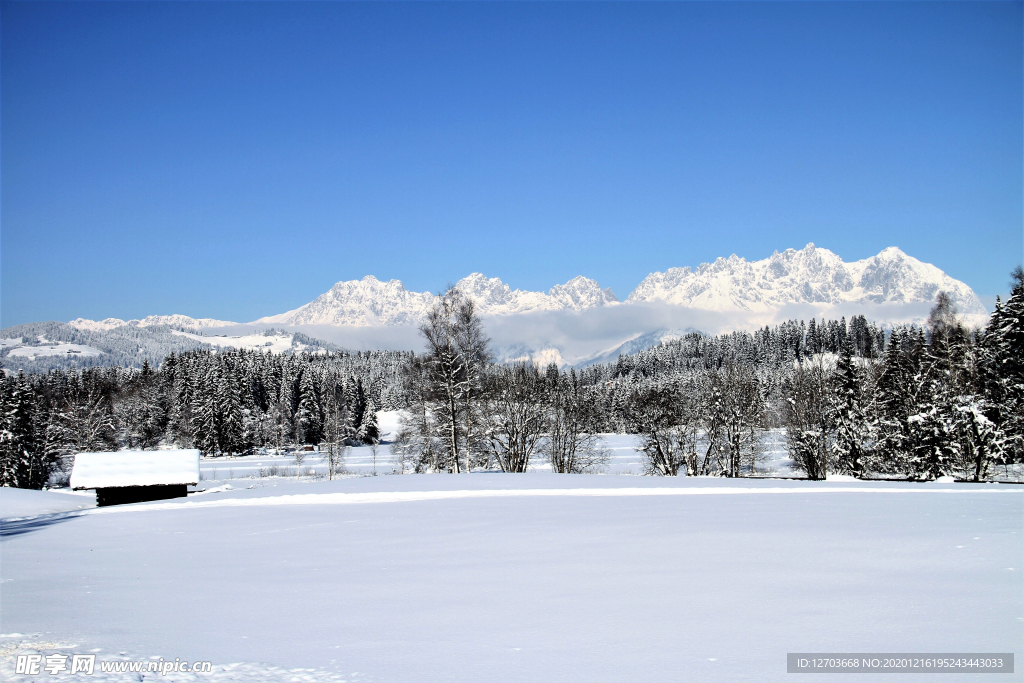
(811, 275)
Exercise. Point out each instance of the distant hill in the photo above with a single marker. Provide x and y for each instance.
(42, 346)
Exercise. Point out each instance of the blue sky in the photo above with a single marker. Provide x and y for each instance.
(233, 160)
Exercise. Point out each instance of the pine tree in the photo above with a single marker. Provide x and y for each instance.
(355, 402)
(19, 461)
(813, 338)
(1004, 342)
(892, 408)
(935, 448)
(231, 427)
(851, 425)
(205, 411)
(10, 446)
(309, 415)
(368, 431)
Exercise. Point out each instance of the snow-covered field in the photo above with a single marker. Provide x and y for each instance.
(276, 343)
(54, 349)
(497, 577)
(360, 460)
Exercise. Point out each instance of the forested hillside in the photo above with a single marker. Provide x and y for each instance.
(27, 346)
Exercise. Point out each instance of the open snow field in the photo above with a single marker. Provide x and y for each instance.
(54, 349)
(258, 341)
(623, 459)
(496, 577)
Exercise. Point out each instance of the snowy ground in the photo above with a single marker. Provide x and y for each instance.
(53, 349)
(496, 577)
(277, 343)
(624, 460)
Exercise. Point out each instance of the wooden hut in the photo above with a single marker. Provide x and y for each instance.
(136, 476)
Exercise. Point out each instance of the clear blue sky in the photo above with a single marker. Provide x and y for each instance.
(233, 160)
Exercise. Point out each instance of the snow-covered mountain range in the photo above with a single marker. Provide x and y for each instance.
(811, 275)
(372, 302)
(579, 321)
(176, 321)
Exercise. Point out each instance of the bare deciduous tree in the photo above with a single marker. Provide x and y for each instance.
(516, 416)
(653, 415)
(333, 448)
(741, 407)
(810, 417)
(417, 444)
(457, 355)
(572, 446)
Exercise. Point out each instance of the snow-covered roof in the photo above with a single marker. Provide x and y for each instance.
(135, 468)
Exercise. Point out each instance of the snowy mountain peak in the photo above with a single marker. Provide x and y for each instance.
(494, 297)
(581, 293)
(488, 293)
(359, 302)
(87, 325)
(810, 275)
